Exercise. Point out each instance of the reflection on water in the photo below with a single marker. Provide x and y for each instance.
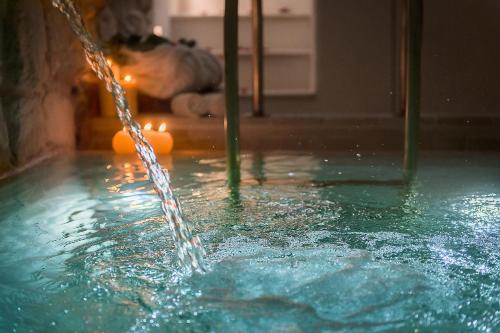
(189, 248)
(83, 247)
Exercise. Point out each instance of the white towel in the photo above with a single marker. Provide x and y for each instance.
(195, 105)
(168, 70)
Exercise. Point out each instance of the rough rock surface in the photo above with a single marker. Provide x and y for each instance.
(39, 62)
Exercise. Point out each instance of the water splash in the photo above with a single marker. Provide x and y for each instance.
(189, 248)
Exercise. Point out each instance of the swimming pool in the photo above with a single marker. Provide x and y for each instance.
(308, 243)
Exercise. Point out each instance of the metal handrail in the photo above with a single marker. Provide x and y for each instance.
(411, 49)
(232, 114)
(257, 59)
(413, 14)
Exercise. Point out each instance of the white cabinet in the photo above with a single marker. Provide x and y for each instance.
(289, 39)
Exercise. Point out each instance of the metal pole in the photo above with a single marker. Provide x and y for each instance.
(232, 121)
(257, 59)
(414, 48)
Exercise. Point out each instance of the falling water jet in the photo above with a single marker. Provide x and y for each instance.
(189, 248)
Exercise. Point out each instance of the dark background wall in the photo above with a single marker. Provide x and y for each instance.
(357, 49)
(461, 57)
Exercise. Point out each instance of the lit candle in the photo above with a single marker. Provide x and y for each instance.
(108, 108)
(122, 143)
(161, 140)
(130, 86)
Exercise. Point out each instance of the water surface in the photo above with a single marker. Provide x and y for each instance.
(83, 246)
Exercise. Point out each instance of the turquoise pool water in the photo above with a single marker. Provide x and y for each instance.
(83, 247)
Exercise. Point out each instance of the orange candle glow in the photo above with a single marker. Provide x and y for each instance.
(122, 143)
(107, 103)
(161, 140)
(115, 68)
(130, 86)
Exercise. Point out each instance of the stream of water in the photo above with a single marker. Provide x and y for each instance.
(189, 248)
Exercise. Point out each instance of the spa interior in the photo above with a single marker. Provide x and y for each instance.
(249, 166)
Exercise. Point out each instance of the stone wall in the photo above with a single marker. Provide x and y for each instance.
(40, 61)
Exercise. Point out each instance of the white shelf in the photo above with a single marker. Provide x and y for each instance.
(216, 7)
(244, 17)
(208, 33)
(289, 40)
(283, 92)
(268, 52)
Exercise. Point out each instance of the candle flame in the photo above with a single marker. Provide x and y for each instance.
(148, 126)
(127, 78)
(162, 128)
(124, 129)
(109, 62)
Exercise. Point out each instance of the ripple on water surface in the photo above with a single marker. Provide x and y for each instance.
(83, 247)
